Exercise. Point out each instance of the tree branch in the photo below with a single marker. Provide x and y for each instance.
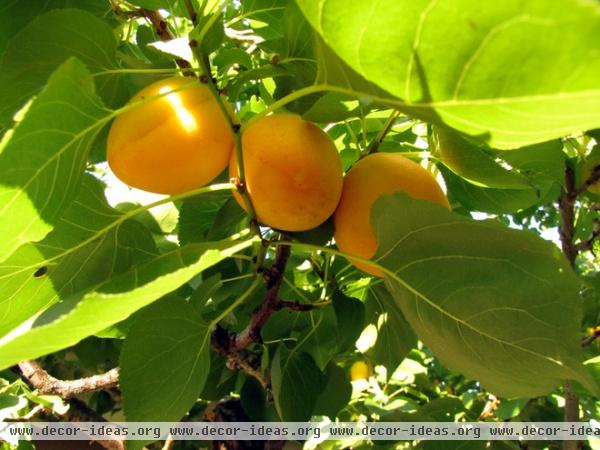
(566, 204)
(47, 384)
(274, 278)
(160, 27)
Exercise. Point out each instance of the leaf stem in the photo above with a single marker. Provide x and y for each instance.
(241, 299)
(389, 123)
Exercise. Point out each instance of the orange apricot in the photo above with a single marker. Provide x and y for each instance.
(293, 172)
(175, 140)
(375, 175)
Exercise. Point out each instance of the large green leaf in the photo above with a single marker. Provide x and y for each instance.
(484, 298)
(90, 244)
(70, 321)
(165, 362)
(15, 14)
(510, 72)
(541, 166)
(297, 383)
(42, 160)
(48, 41)
(395, 338)
(471, 162)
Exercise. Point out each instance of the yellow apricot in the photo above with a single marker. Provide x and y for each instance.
(375, 175)
(293, 172)
(171, 143)
(360, 370)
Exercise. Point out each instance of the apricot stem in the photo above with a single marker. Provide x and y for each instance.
(389, 123)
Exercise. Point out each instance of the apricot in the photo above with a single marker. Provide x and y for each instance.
(172, 143)
(293, 172)
(375, 175)
(360, 370)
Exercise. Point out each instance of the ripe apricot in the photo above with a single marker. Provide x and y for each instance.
(293, 172)
(375, 175)
(172, 143)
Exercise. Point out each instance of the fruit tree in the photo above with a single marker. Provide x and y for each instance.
(296, 210)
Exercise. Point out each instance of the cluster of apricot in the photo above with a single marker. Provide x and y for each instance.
(175, 138)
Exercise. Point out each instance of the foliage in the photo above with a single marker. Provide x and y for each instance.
(477, 317)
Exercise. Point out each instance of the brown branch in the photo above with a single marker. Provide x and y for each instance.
(169, 443)
(588, 340)
(593, 178)
(566, 204)
(588, 244)
(274, 278)
(161, 27)
(47, 384)
(80, 412)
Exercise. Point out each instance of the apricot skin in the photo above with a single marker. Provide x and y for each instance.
(375, 175)
(172, 144)
(360, 370)
(293, 172)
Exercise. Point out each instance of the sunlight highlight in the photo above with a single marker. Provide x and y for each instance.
(185, 116)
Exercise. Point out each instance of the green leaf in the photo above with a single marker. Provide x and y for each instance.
(68, 322)
(165, 362)
(336, 393)
(42, 161)
(15, 14)
(320, 338)
(541, 165)
(197, 215)
(484, 298)
(48, 41)
(350, 314)
(395, 337)
(471, 162)
(90, 244)
(297, 383)
(512, 73)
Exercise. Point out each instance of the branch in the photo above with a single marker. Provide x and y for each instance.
(593, 178)
(80, 412)
(160, 27)
(389, 123)
(297, 306)
(274, 278)
(566, 204)
(588, 244)
(47, 384)
(588, 340)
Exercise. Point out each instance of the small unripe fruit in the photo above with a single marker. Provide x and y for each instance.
(371, 177)
(360, 370)
(172, 143)
(293, 172)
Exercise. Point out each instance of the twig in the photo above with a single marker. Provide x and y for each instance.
(297, 306)
(566, 204)
(169, 443)
(274, 278)
(588, 244)
(389, 123)
(47, 384)
(160, 27)
(80, 412)
(588, 340)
